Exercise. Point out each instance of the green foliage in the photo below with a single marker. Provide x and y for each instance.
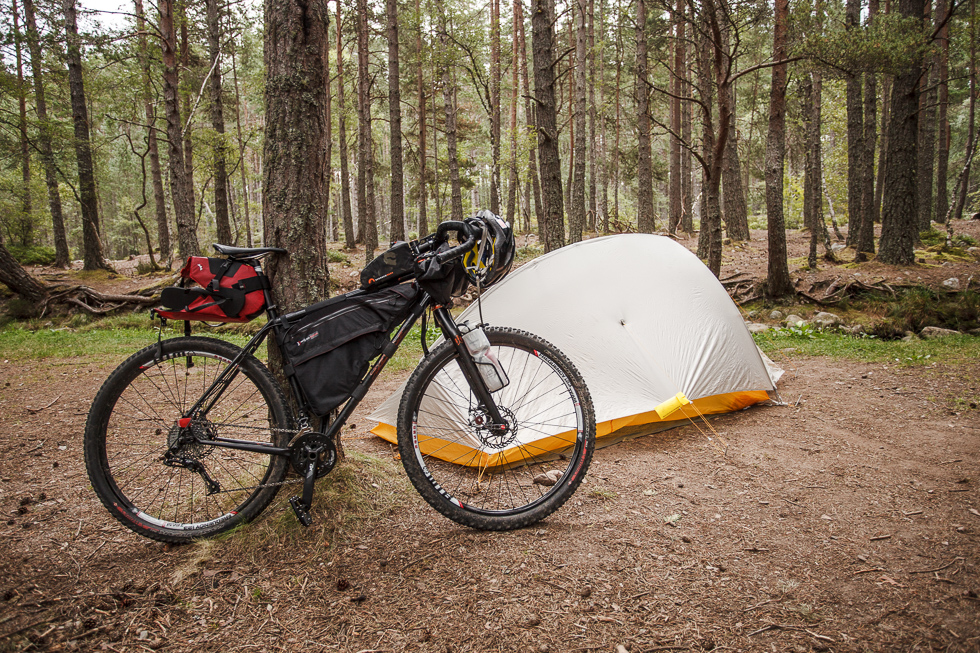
(936, 238)
(34, 255)
(334, 256)
(953, 349)
(921, 307)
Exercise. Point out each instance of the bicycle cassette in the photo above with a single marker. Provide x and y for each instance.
(310, 448)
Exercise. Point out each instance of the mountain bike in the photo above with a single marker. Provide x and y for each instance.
(192, 436)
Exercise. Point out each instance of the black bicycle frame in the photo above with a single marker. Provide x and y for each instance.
(275, 324)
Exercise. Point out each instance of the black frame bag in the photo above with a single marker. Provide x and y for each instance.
(331, 347)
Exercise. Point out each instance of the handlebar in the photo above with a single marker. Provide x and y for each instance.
(461, 229)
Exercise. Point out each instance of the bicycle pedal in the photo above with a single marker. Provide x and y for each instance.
(302, 514)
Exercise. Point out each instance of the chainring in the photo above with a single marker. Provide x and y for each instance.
(309, 448)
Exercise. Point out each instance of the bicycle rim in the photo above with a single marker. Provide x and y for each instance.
(213, 488)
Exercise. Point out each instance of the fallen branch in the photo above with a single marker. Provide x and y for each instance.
(35, 411)
(929, 571)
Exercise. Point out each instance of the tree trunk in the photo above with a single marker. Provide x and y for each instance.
(156, 175)
(344, 207)
(187, 244)
(736, 212)
(942, 127)
(365, 162)
(18, 280)
(218, 122)
(186, 89)
(687, 132)
(674, 189)
(513, 182)
(971, 143)
(529, 119)
(449, 101)
(645, 219)
(293, 165)
(576, 216)
(61, 253)
(423, 153)
(899, 224)
(26, 228)
(495, 106)
(927, 133)
(855, 134)
(602, 143)
(395, 127)
(590, 222)
(546, 121)
(92, 245)
(882, 148)
(241, 151)
(865, 242)
(778, 282)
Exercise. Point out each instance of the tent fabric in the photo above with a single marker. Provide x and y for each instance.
(642, 319)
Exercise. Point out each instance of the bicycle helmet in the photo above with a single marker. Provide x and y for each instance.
(493, 254)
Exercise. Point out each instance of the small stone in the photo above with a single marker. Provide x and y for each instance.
(932, 332)
(144, 635)
(757, 328)
(825, 320)
(776, 315)
(586, 592)
(543, 648)
(952, 283)
(547, 478)
(685, 539)
(910, 337)
(752, 315)
(795, 320)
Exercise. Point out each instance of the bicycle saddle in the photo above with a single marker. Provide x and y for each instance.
(246, 253)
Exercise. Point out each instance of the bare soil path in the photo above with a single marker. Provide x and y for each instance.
(845, 520)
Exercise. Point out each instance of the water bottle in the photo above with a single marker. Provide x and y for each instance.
(479, 347)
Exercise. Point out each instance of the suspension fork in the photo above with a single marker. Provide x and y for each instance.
(465, 359)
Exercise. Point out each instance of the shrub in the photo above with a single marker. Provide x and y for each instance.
(34, 255)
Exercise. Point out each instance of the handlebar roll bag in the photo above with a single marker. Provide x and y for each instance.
(442, 281)
(331, 347)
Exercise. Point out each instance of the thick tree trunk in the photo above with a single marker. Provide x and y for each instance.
(495, 106)
(602, 143)
(736, 212)
(687, 132)
(547, 124)
(529, 119)
(395, 126)
(576, 216)
(17, 279)
(865, 241)
(449, 104)
(778, 282)
(645, 219)
(971, 143)
(674, 189)
(92, 245)
(62, 256)
(218, 122)
(241, 152)
(593, 144)
(513, 183)
(187, 243)
(899, 224)
(293, 165)
(345, 208)
(185, 93)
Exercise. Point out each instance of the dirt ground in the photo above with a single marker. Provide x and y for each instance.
(845, 520)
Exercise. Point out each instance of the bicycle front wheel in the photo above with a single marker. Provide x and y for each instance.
(479, 478)
(147, 470)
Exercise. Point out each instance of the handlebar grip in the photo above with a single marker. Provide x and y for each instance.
(461, 228)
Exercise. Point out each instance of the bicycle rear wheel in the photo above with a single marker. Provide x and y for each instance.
(133, 423)
(481, 479)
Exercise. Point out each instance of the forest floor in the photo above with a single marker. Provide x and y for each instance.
(845, 520)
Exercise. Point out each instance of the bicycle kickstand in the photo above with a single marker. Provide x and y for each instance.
(303, 506)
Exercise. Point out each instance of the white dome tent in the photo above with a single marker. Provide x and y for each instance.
(643, 320)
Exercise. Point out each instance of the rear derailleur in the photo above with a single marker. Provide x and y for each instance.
(312, 455)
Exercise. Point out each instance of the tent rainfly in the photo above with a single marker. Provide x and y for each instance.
(653, 332)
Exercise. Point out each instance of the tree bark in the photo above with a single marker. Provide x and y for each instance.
(345, 207)
(395, 126)
(293, 163)
(513, 182)
(187, 243)
(855, 133)
(546, 121)
(62, 256)
(778, 282)
(92, 245)
(576, 216)
(899, 224)
(942, 127)
(674, 189)
(590, 220)
(365, 162)
(26, 228)
(530, 120)
(736, 212)
(156, 175)
(449, 104)
(218, 122)
(241, 151)
(927, 133)
(188, 127)
(495, 106)
(18, 280)
(865, 243)
(645, 219)
(971, 143)
(423, 153)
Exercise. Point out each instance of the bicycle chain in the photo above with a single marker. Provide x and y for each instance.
(280, 483)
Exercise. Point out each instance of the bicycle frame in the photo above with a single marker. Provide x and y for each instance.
(275, 325)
